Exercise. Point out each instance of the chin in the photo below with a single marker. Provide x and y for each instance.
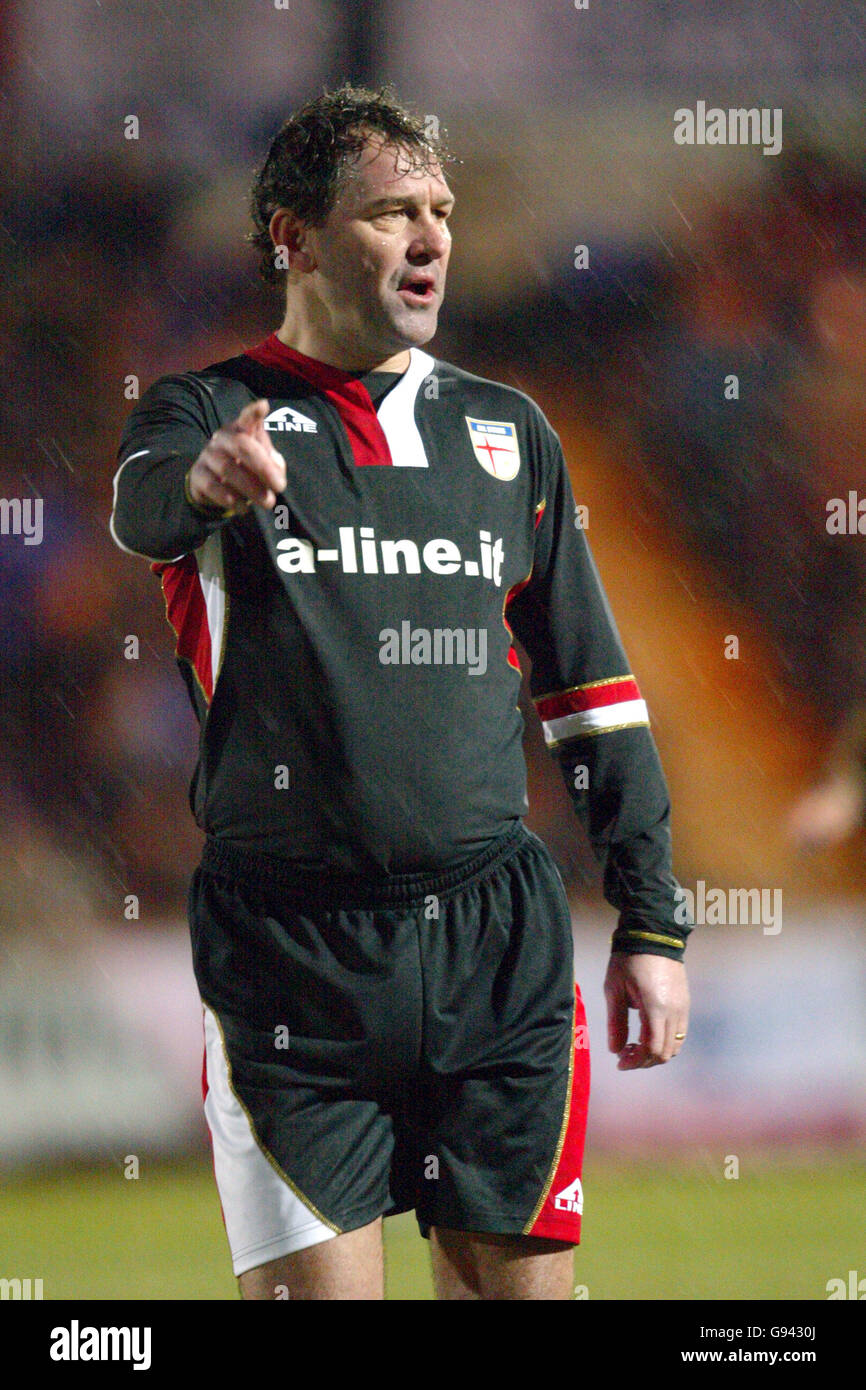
(417, 330)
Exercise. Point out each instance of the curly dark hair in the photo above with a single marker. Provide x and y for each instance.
(311, 152)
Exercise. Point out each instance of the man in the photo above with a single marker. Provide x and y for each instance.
(348, 531)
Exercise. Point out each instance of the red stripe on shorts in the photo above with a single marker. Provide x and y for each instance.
(559, 1218)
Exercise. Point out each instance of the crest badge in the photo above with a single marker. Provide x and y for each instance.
(496, 447)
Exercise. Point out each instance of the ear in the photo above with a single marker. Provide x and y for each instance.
(288, 230)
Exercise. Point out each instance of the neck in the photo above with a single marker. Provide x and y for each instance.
(307, 337)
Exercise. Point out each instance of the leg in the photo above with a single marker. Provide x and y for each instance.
(350, 1266)
(455, 1275)
(506, 1086)
(472, 1265)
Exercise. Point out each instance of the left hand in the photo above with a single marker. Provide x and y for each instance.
(658, 989)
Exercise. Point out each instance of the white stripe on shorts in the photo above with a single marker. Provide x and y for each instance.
(264, 1218)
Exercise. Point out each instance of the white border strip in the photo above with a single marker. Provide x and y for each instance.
(397, 414)
(264, 1219)
(211, 577)
(589, 721)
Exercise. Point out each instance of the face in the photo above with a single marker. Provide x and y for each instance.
(376, 270)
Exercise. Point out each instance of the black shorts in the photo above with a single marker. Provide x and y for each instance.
(376, 1048)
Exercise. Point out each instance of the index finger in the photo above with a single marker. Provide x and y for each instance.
(251, 423)
(252, 416)
(617, 1007)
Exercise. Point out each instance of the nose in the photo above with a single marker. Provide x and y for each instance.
(431, 241)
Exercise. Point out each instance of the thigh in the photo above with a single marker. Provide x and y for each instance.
(507, 1080)
(348, 1267)
(308, 1012)
(469, 1265)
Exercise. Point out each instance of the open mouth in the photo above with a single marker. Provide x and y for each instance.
(418, 291)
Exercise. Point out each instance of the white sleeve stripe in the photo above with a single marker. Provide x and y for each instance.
(114, 535)
(137, 455)
(623, 714)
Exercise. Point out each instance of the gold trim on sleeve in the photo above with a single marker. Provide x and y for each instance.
(652, 936)
(590, 685)
(593, 733)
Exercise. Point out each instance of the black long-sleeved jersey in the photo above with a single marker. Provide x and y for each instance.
(349, 653)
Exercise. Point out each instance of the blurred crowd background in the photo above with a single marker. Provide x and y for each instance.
(125, 258)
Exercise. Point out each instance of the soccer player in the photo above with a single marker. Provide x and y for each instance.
(348, 533)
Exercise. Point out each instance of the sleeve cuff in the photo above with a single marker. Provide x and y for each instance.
(207, 509)
(633, 941)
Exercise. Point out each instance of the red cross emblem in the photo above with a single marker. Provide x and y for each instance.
(496, 447)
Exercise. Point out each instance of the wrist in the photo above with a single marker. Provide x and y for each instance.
(204, 508)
